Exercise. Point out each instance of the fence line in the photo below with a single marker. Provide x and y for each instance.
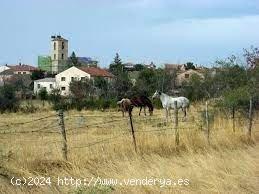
(97, 142)
(203, 118)
(22, 123)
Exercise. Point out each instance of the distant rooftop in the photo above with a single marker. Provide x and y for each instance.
(47, 79)
(22, 67)
(96, 71)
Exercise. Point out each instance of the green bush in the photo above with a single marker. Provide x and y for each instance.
(8, 101)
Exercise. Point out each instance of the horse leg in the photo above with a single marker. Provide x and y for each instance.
(145, 111)
(184, 110)
(140, 110)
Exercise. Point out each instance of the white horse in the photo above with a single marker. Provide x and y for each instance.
(168, 103)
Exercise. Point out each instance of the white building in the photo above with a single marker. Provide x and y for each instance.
(63, 79)
(47, 83)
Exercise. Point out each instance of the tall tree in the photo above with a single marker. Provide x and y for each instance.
(116, 67)
(43, 94)
(74, 60)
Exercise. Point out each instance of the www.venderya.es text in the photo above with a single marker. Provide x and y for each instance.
(98, 181)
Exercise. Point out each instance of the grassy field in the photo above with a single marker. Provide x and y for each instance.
(100, 145)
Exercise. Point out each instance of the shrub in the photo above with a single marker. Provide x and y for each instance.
(8, 101)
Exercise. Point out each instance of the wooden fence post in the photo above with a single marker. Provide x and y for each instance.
(63, 132)
(132, 129)
(250, 117)
(177, 141)
(207, 122)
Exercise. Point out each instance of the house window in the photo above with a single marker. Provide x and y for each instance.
(63, 88)
(38, 86)
(19, 72)
(54, 56)
(63, 79)
(44, 88)
(23, 72)
(54, 46)
(186, 75)
(62, 56)
(63, 45)
(72, 79)
(50, 85)
(83, 79)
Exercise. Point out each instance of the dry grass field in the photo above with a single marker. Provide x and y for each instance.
(100, 145)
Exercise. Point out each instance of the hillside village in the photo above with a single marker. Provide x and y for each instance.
(57, 70)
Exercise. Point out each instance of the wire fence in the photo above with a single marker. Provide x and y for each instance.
(70, 124)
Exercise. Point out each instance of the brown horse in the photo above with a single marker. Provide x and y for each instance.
(125, 105)
(142, 101)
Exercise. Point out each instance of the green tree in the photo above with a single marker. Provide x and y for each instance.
(8, 101)
(81, 89)
(73, 60)
(22, 84)
(38, 74)
(116, 68)
(122, 85)
(43, 94)
(102, 85)
(139, 67)
(194, 89)
(56, 99)
(150, 80)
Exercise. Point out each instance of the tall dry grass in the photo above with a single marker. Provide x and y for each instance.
(228, 164)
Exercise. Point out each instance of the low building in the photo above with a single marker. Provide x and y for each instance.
(46, 83)
(22, 69)
(186, 76)
(63, 79)
(10, 71)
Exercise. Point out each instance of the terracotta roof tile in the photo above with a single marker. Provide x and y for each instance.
(95, 71)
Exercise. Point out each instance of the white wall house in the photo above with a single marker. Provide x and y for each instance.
(47, 83)
(64, 78)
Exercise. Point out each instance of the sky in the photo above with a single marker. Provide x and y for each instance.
(141, 31)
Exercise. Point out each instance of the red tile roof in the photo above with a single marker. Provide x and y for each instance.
(96, 72)
(22, 67)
